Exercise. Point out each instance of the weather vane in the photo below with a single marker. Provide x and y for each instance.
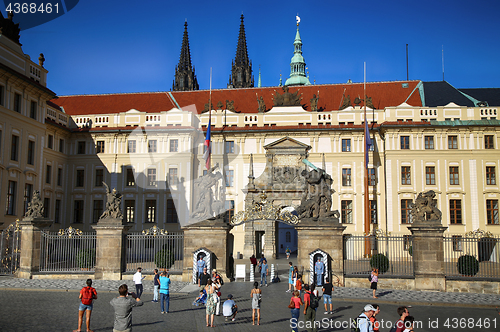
(298, 19)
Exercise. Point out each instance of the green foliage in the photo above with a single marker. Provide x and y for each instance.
(468, 265)
(410, 251)
(85, 258)
(164, 259)
(381, 262)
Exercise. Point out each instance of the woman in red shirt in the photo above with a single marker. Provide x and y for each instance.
(297, 302)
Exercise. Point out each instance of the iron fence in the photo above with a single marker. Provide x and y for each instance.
(68, 250)
(161, 251)
(10, 245)
(391, 254)
(472, 256)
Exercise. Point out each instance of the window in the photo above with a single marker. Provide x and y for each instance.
(31, 153)
(99, 147)
(28, 194)
(78, 212)
(81, 147)
(430, 175)
(488, 142)
(429, 142)
(2, 94)
(172, 176)
(452, 142)
(17, 102)
(346, 145)
(61, 145)
(98, 209)
(80, 177)
(373, 211)
(229, 206)
(174, 145)
(492, 211)
(33, 109)
(152, 146)
(171, 212)
(455, 211)
(50, 142)
(151, 177)
(405, 175)
(14, 150)
(457, 242)
(229, 178)
(405, 211)
(57, 212)
(130, 177)
(454, 175)
(99, 177)
(346, 211)
(372, 177)
(59, 176)
(48, 174)
(11, 198)
(150, 210)
(346, 177)
(229, 147)
(491, 175)
(405, 142)
(129, 210)
(131, 146)
(288, 236)
(46, 207)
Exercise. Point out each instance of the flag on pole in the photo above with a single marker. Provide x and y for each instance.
(368, 142)
(208, 147)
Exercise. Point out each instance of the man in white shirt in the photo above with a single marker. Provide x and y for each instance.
(229, 309)
(363, 320)
(138, 282)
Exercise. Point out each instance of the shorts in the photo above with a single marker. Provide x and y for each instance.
(327, 299)
(373, 285)
(84, 307)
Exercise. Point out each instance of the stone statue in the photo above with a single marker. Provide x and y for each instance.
(203, 198)
(369, 103)
(314, 103)
(206, 108)
(41, 60)
(113, 200)
(219, 105)
(357, 101)
(287, 98)
(8, 28)
(230, 106)
(424, 209)
(262, 105)
(317, 199)
(35, 207)
(346, 103)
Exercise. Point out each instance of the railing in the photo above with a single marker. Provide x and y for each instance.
(472, 256)
(394, 255)
(69, 250)
(10, 245)
(160, 251)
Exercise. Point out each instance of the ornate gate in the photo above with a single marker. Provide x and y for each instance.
(10, 249)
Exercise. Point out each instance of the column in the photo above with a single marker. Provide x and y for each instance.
(31, 234)
(111, 246)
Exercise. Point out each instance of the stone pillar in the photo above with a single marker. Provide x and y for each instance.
(211, 234)
(111, 249)
(31, 235)
(428, 257)
(325, 234)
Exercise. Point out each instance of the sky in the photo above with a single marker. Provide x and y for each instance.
(125, 46)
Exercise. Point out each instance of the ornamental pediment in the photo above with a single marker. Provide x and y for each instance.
(287, 143)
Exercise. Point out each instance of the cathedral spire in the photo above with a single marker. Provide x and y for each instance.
(185, 79)
(241, 71)
(297, 64)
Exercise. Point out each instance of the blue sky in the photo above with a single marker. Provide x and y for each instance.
(133, 46)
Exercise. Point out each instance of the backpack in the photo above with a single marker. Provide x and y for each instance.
(370, 277)
(314, 303)
(276, 279)
(87, 295)
(221, 280)
(354, 324)
(394, 327)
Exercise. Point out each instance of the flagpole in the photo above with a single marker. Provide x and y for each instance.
(365, 164)
(210, 120)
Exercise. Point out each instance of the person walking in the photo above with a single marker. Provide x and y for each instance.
(156, 285)
(309, 312)
(253, 261)
(210, 306)
(374, 281)
(295, 276)
(123, 309)
(327, 295)
(164, 292)
(263, 273)
(138, 278)
(363, 320)
(216, 284)
(288, 252)
(290, 278)
(256, 295)
(295, 303)
(373, 318)
(87, 295)
(400, 323)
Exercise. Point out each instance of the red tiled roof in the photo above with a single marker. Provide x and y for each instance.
(383, 94)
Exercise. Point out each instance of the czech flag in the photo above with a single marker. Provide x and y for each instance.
(208, 147)
(368, 142)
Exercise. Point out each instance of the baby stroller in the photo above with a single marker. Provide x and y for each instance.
(202, 299)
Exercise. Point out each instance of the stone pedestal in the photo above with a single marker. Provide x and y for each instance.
(111, 249)
(324, 234)
(211, 234)
(428, 257)
(31, 234)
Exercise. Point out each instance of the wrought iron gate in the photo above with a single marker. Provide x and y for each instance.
(10, 249)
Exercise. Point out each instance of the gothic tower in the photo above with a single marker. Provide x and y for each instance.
(241, 71)
(297, 65)
(185, 79)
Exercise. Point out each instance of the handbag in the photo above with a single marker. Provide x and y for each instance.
(291, 305)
